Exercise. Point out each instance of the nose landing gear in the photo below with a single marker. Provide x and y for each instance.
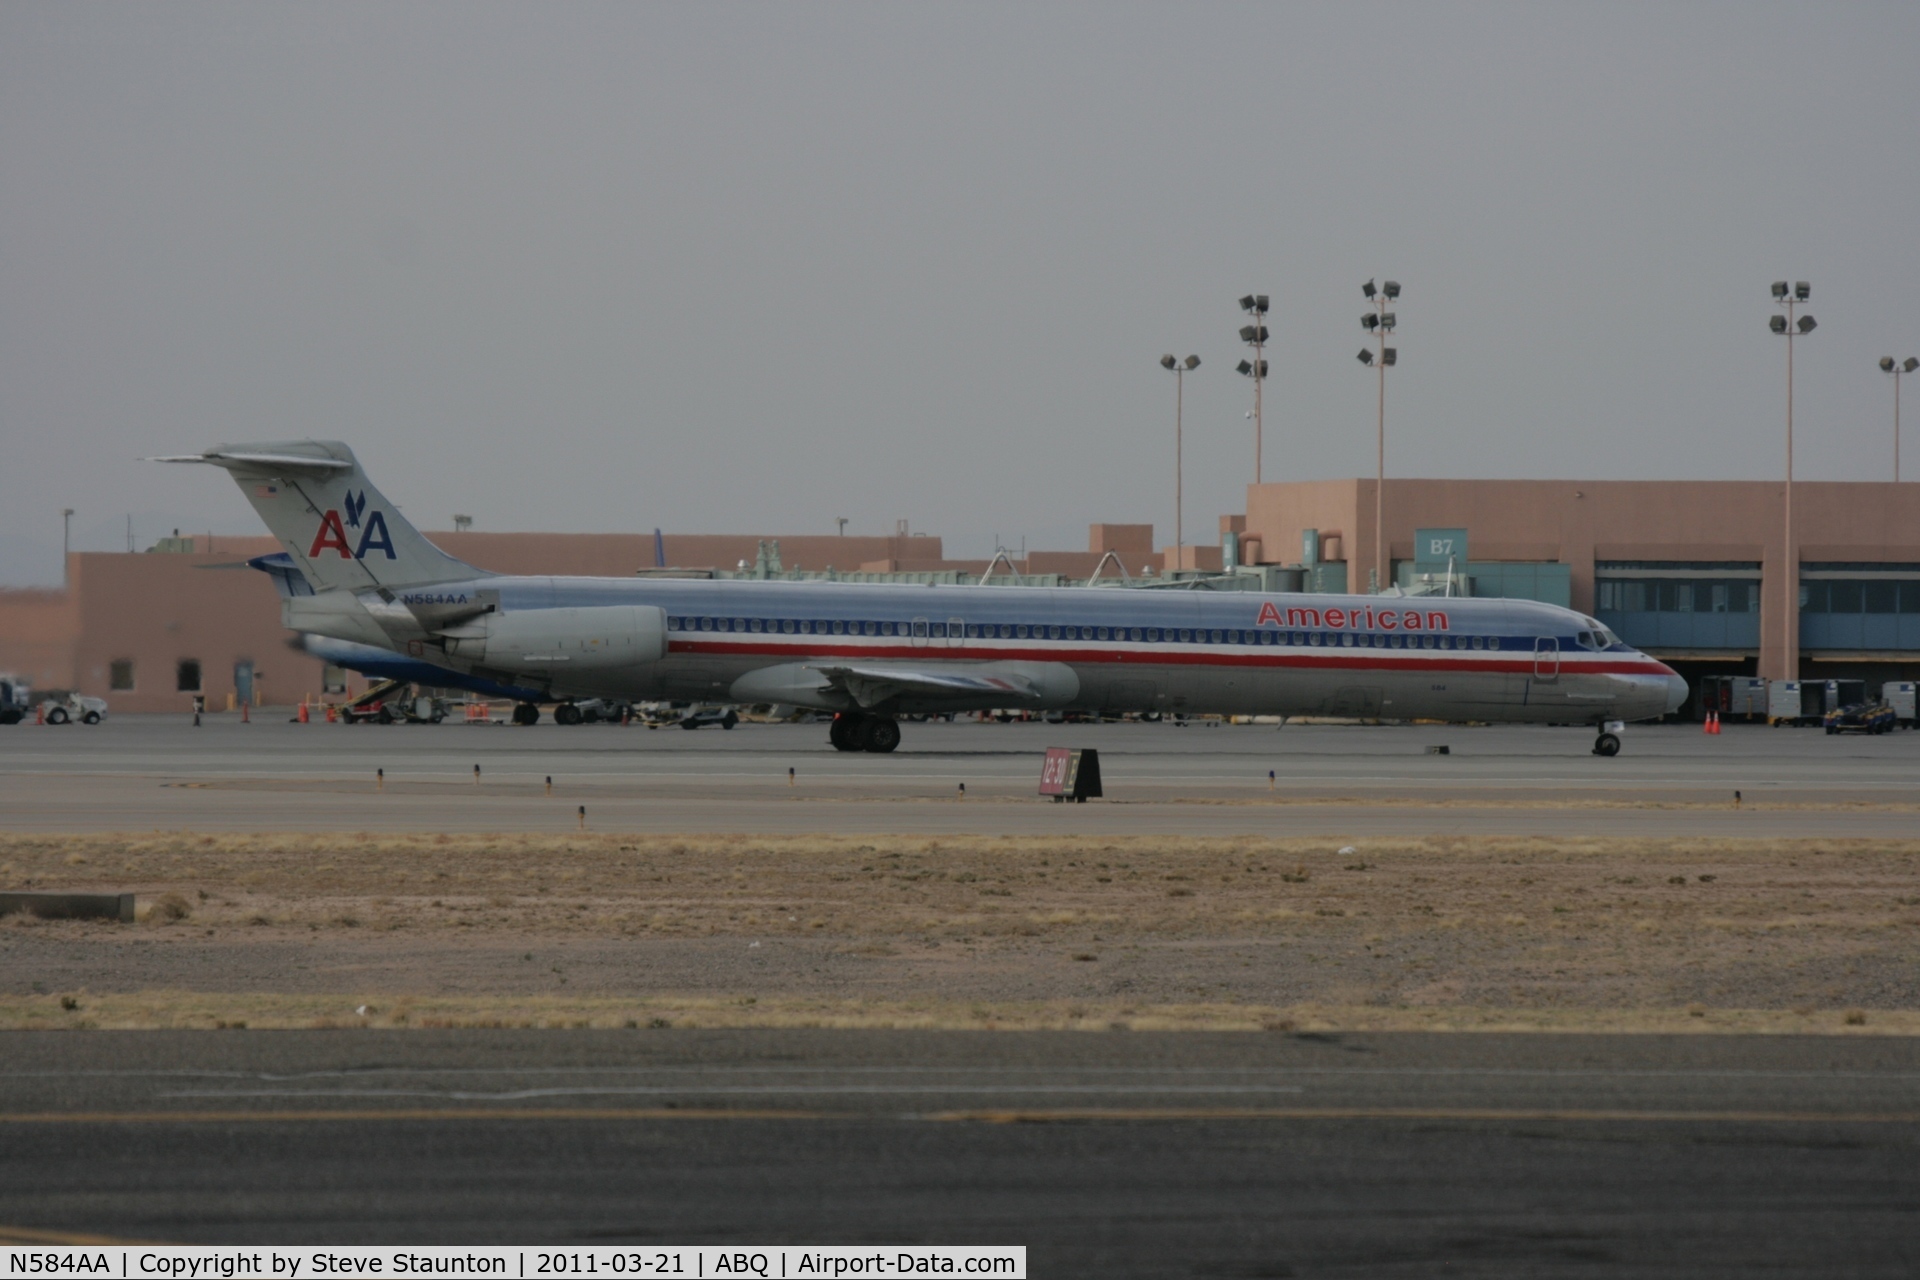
(1608, 743)
(853, 732)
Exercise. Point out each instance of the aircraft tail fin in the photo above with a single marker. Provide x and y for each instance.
(339, 531)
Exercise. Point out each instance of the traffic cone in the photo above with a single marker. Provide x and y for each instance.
(1716, 724)
(303, 713)
(39, 713)
(1706, 723)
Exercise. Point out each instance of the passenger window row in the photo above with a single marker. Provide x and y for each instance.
(1137, 635)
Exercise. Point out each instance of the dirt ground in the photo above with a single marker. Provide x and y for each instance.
(1147, 932)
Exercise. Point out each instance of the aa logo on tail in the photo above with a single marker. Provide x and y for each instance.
(332, 534)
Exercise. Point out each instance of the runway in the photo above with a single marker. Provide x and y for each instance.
(1109, 1154)
(142, 773)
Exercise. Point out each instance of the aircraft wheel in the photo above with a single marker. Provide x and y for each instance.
(566, 713)
(880, 736)
(92, 717)
(844, 732)
(57, 715)
(1607, 744)
(526, 713)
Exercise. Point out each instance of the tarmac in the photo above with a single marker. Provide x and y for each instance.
(1202, 778)
(1107, 1154)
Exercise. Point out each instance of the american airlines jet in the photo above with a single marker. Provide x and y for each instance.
(356, 571)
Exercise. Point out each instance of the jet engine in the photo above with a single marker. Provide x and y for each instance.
(552, 642)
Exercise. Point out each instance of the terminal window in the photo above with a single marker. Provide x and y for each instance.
(1869, 596)
(120, 675)
(1679, 595)
(186, 676)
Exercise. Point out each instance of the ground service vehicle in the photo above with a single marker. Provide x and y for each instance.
(1862, 717)
(701, 717)
(13, 700)
(872, 652)
(76, 707)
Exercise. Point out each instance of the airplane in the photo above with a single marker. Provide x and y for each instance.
(871, 652)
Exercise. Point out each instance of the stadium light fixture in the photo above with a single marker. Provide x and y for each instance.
(1179, 369)
(1790, 327)
(1897, 369)
(1380, 322)
(1255, 335)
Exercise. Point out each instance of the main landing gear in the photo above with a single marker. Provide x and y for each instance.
(851, 731)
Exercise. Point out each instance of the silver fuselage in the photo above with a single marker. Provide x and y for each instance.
(1114, 650)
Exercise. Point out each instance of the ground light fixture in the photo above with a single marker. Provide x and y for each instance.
(1378, 323)
(1897, 369)
(1255, 336)
(1790, 326)
(1179, 369)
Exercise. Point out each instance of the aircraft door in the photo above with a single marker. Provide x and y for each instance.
(1546, 659)
(956, 632)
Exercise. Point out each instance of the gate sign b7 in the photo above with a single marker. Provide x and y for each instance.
(1434, 549)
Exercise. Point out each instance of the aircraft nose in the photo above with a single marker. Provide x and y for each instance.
(1676, 690)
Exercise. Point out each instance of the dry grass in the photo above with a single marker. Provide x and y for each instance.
(976, 931)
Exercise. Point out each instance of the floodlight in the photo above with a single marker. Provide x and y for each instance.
(1778, 324)
(1806, 324)
(1246, 332)
(1259, 368)
(1369, 322)
(1167, 362)
(1365, 357)
(1391, 288)
(1367, 289)
(1886, 364)
(1911, 364)
(1393, 357)
(1779, 288)
(1260, 303)
(1193, 362)
(1246, 303)
(1244, 367)
(1802, 290)
(1387, 321)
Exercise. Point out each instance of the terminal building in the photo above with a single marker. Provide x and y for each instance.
(1693, 572)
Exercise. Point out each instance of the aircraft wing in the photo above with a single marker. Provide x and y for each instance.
(871, 686)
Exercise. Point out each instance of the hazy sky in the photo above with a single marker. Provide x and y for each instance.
(734, 267)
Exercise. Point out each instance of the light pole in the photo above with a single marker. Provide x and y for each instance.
(1888, 365)
(1791, 328)
(1178, 368)
(1255, 336)
(1380, 322)
(66, 542)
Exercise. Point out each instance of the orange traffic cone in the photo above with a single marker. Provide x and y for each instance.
(1716, 724)
(303, 713)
